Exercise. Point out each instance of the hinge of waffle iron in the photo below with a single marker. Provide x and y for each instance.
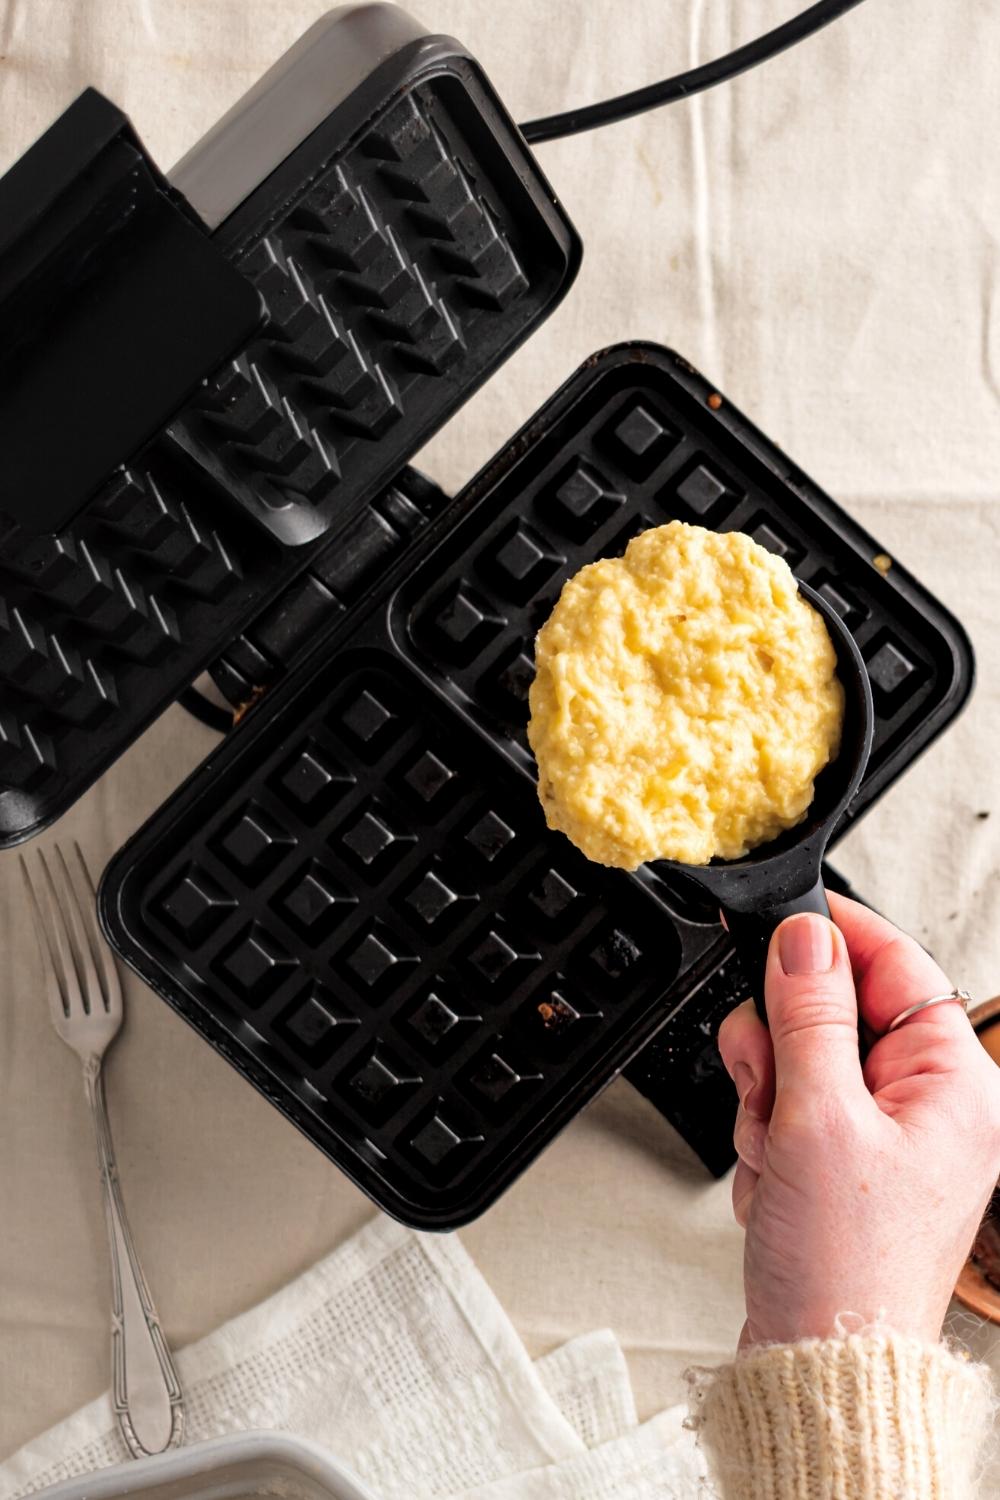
(337, 578)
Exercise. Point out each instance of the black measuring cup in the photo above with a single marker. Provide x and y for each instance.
(782, 877)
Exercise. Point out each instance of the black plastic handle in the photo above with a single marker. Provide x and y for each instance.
(116, 305)
(751, 932)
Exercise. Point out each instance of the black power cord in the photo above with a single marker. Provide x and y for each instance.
(683, 85)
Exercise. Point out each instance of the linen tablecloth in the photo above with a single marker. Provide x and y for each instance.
(393, 1353)
(821, 239)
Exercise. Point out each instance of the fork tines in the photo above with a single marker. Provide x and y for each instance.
(79, 969)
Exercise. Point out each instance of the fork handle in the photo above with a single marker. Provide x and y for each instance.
(145, 1390)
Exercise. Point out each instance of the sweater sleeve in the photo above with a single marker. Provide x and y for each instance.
(863, 1417)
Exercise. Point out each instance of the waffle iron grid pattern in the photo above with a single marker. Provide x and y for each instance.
(376, 925)
(396, 277)
(474, 609)
(451, 1014)
(376, 283)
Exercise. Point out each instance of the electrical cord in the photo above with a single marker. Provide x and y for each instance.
(683, 85)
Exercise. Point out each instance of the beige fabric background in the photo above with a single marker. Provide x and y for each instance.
(822, 239)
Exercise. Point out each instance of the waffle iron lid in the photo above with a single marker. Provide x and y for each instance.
(199, 393)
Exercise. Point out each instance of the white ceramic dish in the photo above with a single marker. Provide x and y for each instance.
(249, 1466)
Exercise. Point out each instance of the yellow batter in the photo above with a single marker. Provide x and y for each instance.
(685, 699)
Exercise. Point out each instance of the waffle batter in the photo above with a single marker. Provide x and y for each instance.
(685, 699)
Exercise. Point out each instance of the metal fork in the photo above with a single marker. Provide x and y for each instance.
(85, 999)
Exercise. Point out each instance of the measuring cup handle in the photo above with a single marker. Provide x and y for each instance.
(751, 933)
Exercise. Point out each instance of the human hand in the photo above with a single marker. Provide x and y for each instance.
(860, 1186)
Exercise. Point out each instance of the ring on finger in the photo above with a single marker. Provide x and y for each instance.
(954, 997)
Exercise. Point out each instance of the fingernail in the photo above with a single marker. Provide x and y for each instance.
(805, 944)
(743, 1078)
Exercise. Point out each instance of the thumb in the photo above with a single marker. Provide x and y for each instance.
(812, 1008)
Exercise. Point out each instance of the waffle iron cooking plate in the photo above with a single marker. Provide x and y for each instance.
(356, 900)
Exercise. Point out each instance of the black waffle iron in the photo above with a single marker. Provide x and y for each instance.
(211, 387)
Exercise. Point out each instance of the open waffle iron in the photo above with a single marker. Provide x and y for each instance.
(355, 899)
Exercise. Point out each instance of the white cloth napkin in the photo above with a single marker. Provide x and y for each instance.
(394, 1353)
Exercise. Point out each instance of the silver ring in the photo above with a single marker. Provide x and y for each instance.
(959, 997)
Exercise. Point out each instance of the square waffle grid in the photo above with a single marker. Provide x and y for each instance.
(427, 683)
(619, 463)
(373, 915)
(396, 271)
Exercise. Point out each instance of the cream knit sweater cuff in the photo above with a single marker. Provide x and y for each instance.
(864, 1417)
